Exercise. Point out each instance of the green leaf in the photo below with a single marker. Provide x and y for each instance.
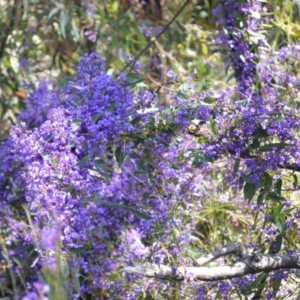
(81, 250)
(241, 183)
(133, 78)
(99, 163)
(274, 196)
(103, 91)
(181, 96)
(255, 144)
(49, 138)
(236, 165)
(260, 132)
(96, 117)
(63, 21)
(248, 179)
(281, 226)
(53, 11)
(214, 126)
(75, 279)
(260, 199)
(136, 120)
(201, 140)
(198, 160)
(279, 240)
(267, 179)
(75, 30)
(278, 186)
(249, 191)
(276, 283)
(175, 166)
(210, 100)
(140, 35)
(138, 138)
(270, 147)
(181, 157)
(260, 184)
(193, 252)
(70, 188)
(275, 211)
(77, 121)
(295, 182)
(64, 267)
(138, 214)
(114, 276)
(257, 282)
(120, 156)
(232, 75)
(112, 106)
(83, 162)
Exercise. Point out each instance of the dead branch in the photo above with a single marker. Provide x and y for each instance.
(250, 263)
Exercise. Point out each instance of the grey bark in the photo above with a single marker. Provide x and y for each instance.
(250, 263)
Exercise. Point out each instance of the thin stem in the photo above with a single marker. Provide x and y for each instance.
(132, 64)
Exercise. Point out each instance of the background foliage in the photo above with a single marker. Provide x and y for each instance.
(44, 40)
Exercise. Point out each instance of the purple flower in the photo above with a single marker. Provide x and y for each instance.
(297, 213)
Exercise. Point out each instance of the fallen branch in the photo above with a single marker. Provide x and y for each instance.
(248, 264)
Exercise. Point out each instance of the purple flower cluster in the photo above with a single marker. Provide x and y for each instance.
(47, 153)
(40, 292)
(238, 20)
(38, 105)
(101, 175)
(99, 104)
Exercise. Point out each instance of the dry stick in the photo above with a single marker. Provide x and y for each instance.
(233, 248)
(249, 264)
(156, 37)
(97, 37)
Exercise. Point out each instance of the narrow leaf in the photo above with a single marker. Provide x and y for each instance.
(53, 12)
(260, 199)
(275, 197)
(249, 191)
(278, 186)
(279, 240)
(96, 117)
(214, 126)
(83, 162)
(137, 213)
(295, 182)
(236, 165)
(120, 156)
(210, 100)
(280, 226)
(133, 78)
(274, 146)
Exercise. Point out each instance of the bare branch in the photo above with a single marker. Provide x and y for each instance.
(249, 264)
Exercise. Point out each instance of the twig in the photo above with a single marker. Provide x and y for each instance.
(97, 37)
(132, 64)
(233, 248)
